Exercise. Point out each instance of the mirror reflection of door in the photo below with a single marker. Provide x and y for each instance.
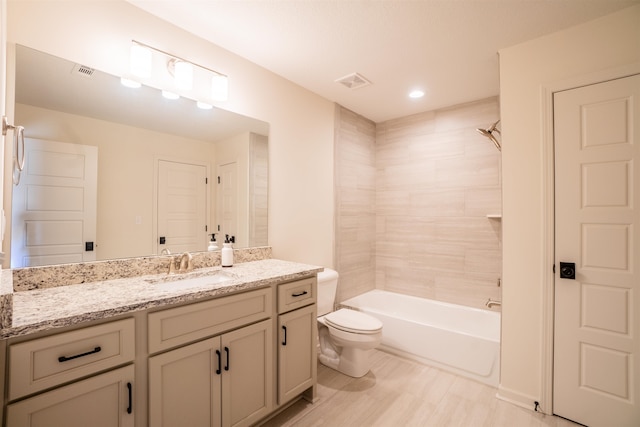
(182, 201)
(227, 200)
(54, 205)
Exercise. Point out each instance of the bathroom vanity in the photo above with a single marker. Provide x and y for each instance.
(215, 347)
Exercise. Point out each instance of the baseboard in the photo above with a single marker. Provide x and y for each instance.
(518, 399)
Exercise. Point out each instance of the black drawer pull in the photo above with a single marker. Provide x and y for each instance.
(130, 407)
(226, 349)
(219, 370)
(299, 294)
(284, 328)
(66, 359)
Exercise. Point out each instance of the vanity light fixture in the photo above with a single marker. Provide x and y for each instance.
(182, 73)
(219, 87)
(130, 83)
(161, 70)
(140, 61)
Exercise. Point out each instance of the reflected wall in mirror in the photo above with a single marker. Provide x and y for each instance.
(168, 173)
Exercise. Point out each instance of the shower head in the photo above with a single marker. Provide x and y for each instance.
(488, 133)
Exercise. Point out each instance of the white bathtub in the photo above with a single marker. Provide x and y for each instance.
(463, 340)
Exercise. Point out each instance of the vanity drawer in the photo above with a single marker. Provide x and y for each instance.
(296, 294)
(177, 326)
(47, 362)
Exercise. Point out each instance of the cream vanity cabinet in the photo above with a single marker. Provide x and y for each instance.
(297, 338)
(78, 378)
(214, 365)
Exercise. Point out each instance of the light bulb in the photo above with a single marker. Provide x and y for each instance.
(130, 83)
(170, 95)
(219, 87)
(140, 61)
(204, 105)
(183, 75)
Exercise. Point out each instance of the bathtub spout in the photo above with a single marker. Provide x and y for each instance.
(490, 303)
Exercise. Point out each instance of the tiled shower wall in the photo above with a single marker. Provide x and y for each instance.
(412, 198)
(355, 224)
(437, 179)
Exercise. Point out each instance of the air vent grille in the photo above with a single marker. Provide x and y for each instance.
(353, 81)
(83, 70)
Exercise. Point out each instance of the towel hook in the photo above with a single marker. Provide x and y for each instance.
(18, 148)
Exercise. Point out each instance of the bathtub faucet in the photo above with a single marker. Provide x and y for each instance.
(490, 303)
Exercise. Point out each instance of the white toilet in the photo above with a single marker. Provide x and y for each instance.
(346, 337)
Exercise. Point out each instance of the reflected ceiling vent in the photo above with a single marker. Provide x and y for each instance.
(353, 81)
(82, 70)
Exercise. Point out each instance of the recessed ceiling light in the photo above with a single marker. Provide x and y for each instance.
(416, 94)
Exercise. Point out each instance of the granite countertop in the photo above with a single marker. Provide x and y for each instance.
(44, 309)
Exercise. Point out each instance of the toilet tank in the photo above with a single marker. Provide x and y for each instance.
(327, 286)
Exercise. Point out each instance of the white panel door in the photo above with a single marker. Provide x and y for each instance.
(597, 314)
(228, 200)
(54, 206)
(182, 207)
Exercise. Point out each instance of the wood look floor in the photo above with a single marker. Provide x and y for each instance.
(400, 392)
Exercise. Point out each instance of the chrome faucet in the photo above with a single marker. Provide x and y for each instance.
(490, 303)
(185, 262)
(181, 264)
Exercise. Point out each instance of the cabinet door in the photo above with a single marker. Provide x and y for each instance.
(184, 386)
(247, 377)
(296, 352)
(101, 401)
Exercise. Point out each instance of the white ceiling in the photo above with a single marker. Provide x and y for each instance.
(448, 48)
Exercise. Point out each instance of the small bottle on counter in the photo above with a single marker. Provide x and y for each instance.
(227, 251)
(213, 245)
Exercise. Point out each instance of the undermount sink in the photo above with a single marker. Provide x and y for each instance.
(169, 283)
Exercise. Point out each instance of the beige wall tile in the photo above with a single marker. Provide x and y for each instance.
(355, 220)
(412, 205)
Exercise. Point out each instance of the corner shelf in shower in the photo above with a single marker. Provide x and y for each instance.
(495, 216)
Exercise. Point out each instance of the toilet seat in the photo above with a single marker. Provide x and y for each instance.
(353, 321)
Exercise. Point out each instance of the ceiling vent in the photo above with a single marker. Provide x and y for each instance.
(82, 70)
(353, 81)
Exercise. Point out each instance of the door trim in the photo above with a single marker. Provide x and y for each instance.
(548, 207)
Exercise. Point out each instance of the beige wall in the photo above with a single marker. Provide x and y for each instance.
(98, 34)
(126, 163)
(529, 73)
(437, 180)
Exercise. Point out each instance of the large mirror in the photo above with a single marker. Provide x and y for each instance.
(115, 172)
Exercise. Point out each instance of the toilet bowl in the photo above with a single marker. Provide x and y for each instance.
(346, 337)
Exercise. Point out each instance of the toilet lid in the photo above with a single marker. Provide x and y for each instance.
(353, 321)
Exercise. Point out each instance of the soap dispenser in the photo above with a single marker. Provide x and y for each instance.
(227, 251)
(213, 245)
